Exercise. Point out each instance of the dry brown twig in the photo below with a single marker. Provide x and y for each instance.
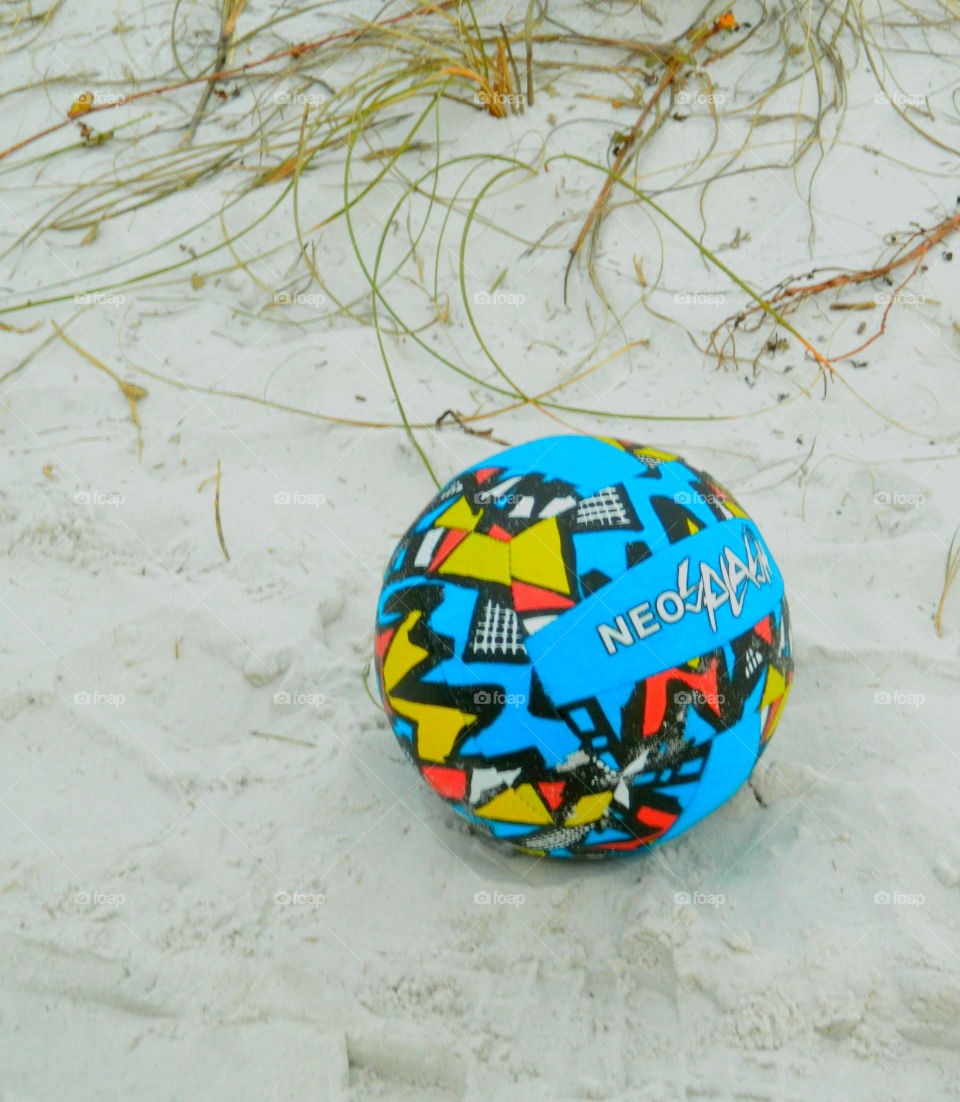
(794, 293)
(459, 420)
(289, 52)
(675, 62)
(225, 46)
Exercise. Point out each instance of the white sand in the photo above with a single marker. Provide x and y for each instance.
(148, 822)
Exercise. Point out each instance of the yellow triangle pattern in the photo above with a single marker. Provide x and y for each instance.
(402, 655)
(536, 556)
(480, 557)
(437, 727)
(772, 716)
(517, 805)
(774, 688)
(589, 808)
(458, 516)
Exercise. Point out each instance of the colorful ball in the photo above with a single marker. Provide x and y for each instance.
(582, 644)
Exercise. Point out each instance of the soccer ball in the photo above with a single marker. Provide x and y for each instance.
(582, 644)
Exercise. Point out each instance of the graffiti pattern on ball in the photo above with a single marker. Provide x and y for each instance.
(564, 633)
